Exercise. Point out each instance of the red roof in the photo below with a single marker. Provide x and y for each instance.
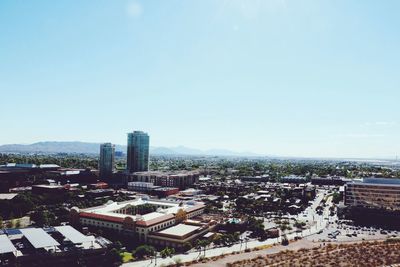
(155, 220)
(101, 217)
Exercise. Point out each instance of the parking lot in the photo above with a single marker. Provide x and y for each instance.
(337, 231)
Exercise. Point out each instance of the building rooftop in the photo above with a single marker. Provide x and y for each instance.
(378, 181)
(167, 173)
(49, 166)
(48, 186)
(74, 235)
(39, 238)
(7, 196)
(6, 246)
(180, 230)
(36, 241)
(169, 208)
(294, 177)
(163, 189)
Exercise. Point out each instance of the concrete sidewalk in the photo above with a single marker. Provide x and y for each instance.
(321, 224)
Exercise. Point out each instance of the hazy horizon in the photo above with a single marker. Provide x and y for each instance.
(278, 77)
(218, 151)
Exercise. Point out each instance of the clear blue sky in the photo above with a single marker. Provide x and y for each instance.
(295, 78)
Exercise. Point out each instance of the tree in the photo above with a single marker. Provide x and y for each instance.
(187, 246)
(10, 224)
(256, 226)
(145, 209)
(167, 252)
(236, 236)
(299, 225)
(217, 239)
(113, 257)
(143, 251)
(285, 240)
(118, 245)
(40, 218)
(202, 244)
(336, 198)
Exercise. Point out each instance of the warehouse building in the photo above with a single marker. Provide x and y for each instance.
(58, 246)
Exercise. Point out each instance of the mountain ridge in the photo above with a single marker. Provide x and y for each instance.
(80, 147)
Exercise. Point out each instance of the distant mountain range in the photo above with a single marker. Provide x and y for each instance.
(93, 148)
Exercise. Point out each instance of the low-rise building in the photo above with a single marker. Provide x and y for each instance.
(149, 188)
(191, 192)
(180, 179)
(164, 192)
(339, 181)
(258, 179)
(144, 187)
(48, 189)
(176, 236)
(55, 246)
(99, 185)
(138, 217)
(100, 192)
(294, 179)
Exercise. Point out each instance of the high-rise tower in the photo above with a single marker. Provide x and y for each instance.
(138, 152)
(107, 160)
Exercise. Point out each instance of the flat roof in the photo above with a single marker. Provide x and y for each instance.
(39, 238)
(167, 173)
(166, 188)
(208, 235)
(180, 230)
(6, 246)
(44, 166)
(47, 186)
(73, 235)
(378, 181)
(7, 196)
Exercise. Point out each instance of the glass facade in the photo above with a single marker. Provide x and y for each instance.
(107, 160)
(379, 195)
(138, 152)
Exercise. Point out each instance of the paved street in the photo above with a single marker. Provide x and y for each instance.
(232, 258)
(320, 224)
(315, 235)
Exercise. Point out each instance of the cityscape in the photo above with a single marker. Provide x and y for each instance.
(136, 209)
(212, 133)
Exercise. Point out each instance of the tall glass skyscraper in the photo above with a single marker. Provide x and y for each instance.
(138, 152)
(107, 160)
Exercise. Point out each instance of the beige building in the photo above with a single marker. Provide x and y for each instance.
(126, 217)
(179, 234)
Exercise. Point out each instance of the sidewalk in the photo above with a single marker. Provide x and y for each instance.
(225, 250)
(321, 224)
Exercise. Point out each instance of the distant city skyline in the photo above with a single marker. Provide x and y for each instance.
(280, 77)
